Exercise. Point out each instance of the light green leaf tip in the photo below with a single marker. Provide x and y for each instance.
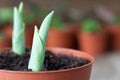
(20, 9)
(45, 27)
(39, 42)
(18, 41)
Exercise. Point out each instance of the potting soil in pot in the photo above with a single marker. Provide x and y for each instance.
(11, 61)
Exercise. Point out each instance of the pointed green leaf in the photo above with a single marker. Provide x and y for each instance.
(45, 27)
(37, 53)
(18, 41)
(38, 46)
(6, 15)
(20, 9)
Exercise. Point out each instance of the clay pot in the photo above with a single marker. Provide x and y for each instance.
(29, 31)
(5, 43)
(92, 43)
(7, 30)
(74, 27)
(79, 73)
(60, 38)
(113, 32)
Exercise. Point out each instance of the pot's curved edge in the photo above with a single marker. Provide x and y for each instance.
(56, 71)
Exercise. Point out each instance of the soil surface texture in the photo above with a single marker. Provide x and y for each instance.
(11, 61)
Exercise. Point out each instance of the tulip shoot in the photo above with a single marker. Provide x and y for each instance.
(39, 44)
(18, 39)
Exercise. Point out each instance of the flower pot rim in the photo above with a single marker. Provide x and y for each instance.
(91, 58)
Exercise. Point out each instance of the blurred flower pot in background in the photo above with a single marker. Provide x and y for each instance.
(113, 31)
(60, 35)
(91, 38)
(92, 43)
(5, 42)
(60, 38)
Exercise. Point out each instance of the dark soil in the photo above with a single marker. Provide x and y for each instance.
(11, 61)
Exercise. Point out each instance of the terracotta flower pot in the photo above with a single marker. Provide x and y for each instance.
(60, 38)
(92, 43)
(113, 32)
(7, 30)
(29, 30)
(79, 73)
(5, 43)
(74, 27)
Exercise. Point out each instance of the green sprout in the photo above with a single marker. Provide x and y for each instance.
(58, 23)
(39, 44)
(6, 15)
(91, 25)
(117, 20)
(18, 41)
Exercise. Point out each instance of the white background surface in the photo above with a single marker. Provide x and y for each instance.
(106, 67)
